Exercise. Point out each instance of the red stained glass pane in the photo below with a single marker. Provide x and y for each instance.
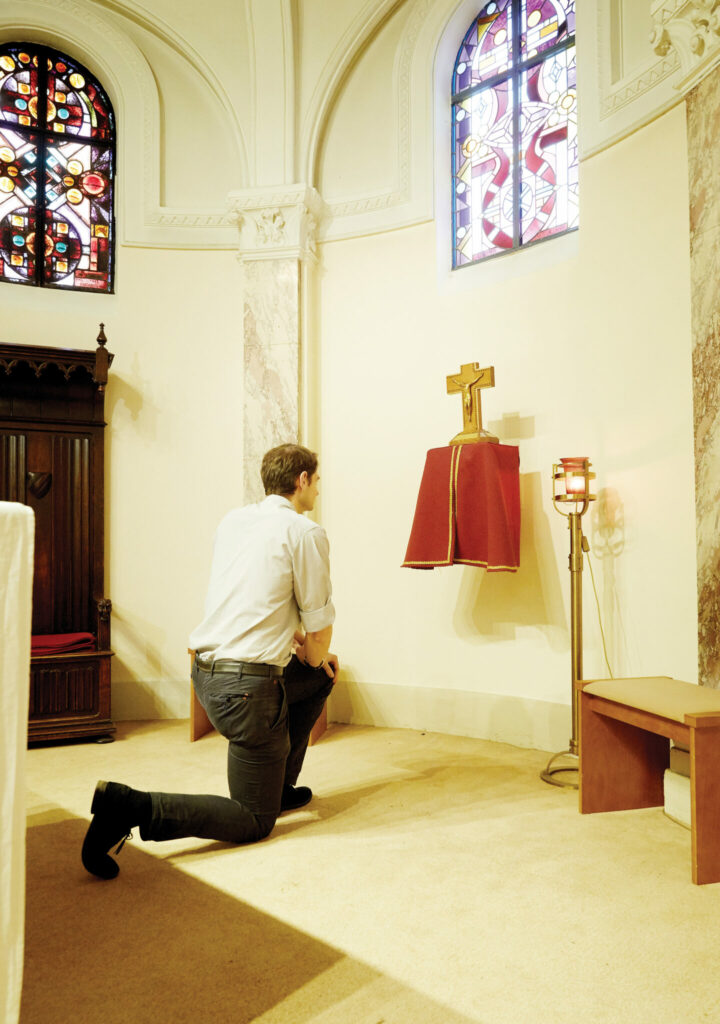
(56, 156)
(18, 197)
(78, 194)
(483, 180)
(545, 23)
(76, 105)
(18, 86)
(549, 188)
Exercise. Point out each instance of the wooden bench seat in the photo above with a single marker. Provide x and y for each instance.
(625, 728)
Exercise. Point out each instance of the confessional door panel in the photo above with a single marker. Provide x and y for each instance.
(52, 473)
(13, 467)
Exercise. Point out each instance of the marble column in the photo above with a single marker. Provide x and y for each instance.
(692, 29)
(277, 230)
(703, 108)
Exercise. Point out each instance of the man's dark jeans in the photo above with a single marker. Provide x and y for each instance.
(267, 719)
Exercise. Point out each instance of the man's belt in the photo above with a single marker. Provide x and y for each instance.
(255, 668)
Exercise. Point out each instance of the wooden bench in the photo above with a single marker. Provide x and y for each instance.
(625, 728)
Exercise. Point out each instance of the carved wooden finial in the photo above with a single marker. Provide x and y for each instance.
(102, 360)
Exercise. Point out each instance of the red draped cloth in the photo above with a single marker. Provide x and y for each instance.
(60, 643)
(468, 509)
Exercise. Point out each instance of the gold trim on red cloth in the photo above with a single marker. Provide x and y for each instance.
(468, 509)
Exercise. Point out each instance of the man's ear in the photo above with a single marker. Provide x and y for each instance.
(302, 480)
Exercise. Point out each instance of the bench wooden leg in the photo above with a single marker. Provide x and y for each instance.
(705, 806)
(200, 724)
(621, 766)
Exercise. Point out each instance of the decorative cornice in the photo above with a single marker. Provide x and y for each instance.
(277, 223)
(39, 357)
(690, 28)
(632, 88)
(187, 219)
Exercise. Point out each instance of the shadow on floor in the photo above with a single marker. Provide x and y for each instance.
(157, 946)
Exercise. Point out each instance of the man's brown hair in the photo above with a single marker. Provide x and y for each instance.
(282, 466)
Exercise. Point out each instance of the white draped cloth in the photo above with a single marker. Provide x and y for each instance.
(17, 538)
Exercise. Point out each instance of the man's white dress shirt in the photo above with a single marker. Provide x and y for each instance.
(270, 573)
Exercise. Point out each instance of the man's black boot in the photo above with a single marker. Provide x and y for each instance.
(116, 810)
(294, 797)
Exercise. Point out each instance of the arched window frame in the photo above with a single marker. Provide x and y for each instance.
(73, 210)
(513, 194)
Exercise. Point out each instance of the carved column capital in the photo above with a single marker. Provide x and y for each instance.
(692, 29)
(276, 223)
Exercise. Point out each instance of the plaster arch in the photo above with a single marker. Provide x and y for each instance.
(74, 26)
(429, 25)
(164, 31)
(338, 66)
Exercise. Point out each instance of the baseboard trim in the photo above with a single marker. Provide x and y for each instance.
(523, 722)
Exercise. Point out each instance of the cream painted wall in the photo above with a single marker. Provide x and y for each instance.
(174, 447)
(591, 359)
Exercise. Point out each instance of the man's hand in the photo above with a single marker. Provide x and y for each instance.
(332, 663)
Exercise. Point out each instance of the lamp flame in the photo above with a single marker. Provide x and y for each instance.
(576, 476)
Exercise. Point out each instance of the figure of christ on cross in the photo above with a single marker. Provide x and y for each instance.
(470, 382)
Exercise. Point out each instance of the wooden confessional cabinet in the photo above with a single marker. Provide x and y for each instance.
(52, 459)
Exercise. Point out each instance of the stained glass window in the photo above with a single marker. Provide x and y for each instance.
(57, 161)
(514, 125)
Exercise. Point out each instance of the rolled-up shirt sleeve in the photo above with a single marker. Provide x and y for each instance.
(311, 572)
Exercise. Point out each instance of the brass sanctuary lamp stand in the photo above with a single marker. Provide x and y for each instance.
(571, 486)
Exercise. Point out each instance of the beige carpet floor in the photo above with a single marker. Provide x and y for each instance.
(433, 880)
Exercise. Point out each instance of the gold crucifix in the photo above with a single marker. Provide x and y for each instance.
(470, 382)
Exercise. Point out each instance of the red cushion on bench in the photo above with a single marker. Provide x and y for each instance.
(59, 643)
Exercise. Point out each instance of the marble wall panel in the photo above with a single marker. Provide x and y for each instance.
(703, 106)
(271, 324)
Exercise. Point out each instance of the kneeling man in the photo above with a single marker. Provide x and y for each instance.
(262, 679)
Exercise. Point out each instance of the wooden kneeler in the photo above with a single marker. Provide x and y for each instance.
(625, 730)
(200, 724)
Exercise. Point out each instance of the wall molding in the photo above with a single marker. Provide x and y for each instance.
(522, 722)
(621, 92)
